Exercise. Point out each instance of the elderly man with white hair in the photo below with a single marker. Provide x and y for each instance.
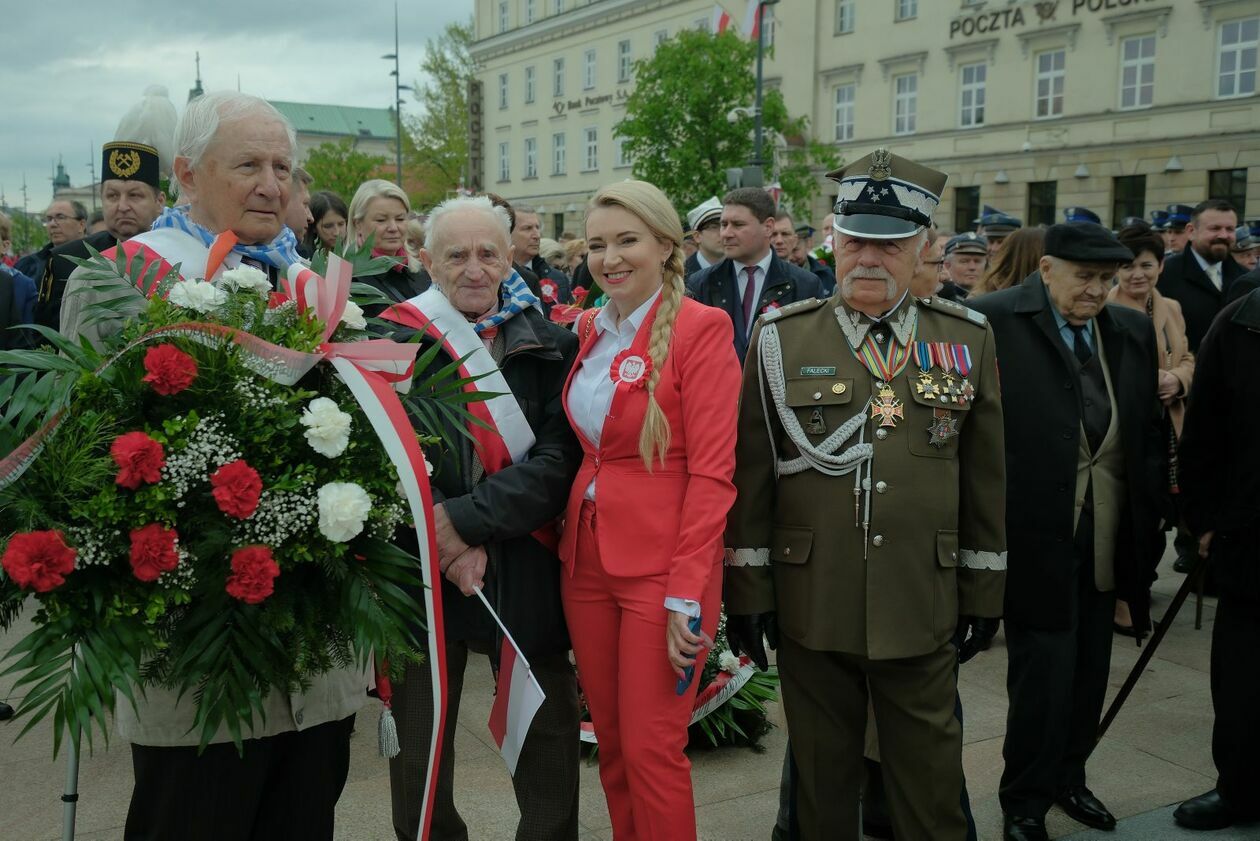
(497, 502)
(234, 173)
(233, 165)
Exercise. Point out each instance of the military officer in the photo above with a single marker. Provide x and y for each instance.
(1081, 214)
(1179, 216)
(872, 527)
(995, 226)
(966, 258)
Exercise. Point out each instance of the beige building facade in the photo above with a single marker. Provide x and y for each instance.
(1120, 106)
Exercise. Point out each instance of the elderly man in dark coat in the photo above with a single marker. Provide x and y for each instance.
(1085, 458)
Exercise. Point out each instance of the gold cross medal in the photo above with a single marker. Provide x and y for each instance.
(887, 408)
(943, 427)
(926, 386)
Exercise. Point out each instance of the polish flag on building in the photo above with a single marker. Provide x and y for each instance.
(720, 21)
(751, 27)
(517, 698)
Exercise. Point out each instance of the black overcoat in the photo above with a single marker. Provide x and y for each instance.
(1184, 280)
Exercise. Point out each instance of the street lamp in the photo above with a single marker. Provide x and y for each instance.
(398, 89)
(757, 163)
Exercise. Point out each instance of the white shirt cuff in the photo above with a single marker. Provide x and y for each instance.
(686, 607)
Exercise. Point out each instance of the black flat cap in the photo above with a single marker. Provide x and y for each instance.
(1085, 242)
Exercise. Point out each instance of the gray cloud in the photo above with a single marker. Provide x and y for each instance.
(70, 71)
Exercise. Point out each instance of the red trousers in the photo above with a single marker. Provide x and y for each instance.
(618, 629)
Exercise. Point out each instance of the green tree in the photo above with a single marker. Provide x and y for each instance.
(340, 167)
(435, 149)
(679, 137)
(28, 234)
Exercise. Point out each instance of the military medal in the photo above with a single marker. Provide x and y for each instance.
(926, 386)
(949, 391)
(817, 426)
(943, 427)
(887, 408)
(966, 392)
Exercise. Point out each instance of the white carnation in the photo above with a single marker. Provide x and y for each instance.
(246, 279)
(353, 316)
(343, 509)
(728, 662)
(327, 427)
(197, 295)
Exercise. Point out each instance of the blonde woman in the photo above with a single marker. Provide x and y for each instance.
(380, 210)
(653, 399)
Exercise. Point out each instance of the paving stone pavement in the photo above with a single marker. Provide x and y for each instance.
(1156, 754)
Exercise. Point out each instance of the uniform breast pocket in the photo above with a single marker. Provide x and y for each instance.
(821, 404)
(937, 412)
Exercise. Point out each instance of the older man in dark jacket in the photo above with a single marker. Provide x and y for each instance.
(1085, 465)
(497, 501)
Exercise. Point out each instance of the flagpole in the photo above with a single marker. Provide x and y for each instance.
(503, 627)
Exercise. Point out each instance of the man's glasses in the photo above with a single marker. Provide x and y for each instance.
(60, 217)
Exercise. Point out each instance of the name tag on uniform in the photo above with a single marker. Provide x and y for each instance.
(818, 371)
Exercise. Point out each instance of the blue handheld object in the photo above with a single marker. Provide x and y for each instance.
(690, 672)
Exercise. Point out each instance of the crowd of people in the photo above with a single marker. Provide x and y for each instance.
(699, 438)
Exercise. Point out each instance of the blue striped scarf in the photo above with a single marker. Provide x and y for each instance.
(518, 299)
(280, 252)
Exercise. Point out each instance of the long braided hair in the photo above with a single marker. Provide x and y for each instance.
(650, 205)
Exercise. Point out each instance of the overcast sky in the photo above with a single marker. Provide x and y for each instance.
(69, 71)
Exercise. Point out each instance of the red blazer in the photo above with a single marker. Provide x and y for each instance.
(670, 520)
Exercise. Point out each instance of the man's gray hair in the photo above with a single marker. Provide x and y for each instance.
(303, 177)
(438, 215)
(202, 117)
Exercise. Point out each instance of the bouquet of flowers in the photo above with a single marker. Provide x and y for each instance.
(203, 507)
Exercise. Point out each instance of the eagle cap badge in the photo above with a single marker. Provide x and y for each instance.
(881, 164)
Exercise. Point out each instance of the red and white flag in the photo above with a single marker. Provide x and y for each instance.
(517, 698)
(751, 24)
(720, 21)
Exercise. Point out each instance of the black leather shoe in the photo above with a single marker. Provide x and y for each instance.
(1082, 806)
(1023, 829)
(1183, 564)
(6, 712)
(1207, 811)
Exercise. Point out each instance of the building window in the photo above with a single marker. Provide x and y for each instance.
(625, 65)
(905, 103)
(844, 111)
(1042, 198)
(503, 15)
(623, 156)
(529, 10)
(966, 208)
(659, 37)
(704, 25)
(558, 162)
(844, 16)
(531, 157)
(1137, 72)
(557, 6)
(530, 85)
(1230, 185)
(1128, 197)
(1240, 40)
(588, 70)
(973, 79)
(1050, 75)
(503, 91)
(504, 160)
(557, 84)
(590, 161)
(907, 9)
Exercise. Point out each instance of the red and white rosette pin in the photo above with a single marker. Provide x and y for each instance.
(550, 291)
(630, 368)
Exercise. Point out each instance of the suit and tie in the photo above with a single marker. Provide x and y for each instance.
(776, 283)
(1201, 297)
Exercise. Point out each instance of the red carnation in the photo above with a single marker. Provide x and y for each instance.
(253, 575)
(139, 459)
(237, 487)
(153, 551)
(38, 560)
(170, 369)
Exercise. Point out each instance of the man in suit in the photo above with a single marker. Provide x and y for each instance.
(705, 220)
(553, 285)
(1200, 276)
(751, 279)
(1086, 457)
(882, 605)
(787, 242)
(1220, 490)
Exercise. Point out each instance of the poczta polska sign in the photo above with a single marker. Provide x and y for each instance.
(1044, 11)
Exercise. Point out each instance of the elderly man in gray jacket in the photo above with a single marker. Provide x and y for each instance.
(233, 167)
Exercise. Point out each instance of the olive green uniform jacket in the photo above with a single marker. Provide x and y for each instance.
(884, 573)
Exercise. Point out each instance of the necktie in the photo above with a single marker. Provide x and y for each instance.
(1079, 345)
(750, 292)
(1214, 273)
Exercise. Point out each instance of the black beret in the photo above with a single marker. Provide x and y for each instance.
(1085, 242)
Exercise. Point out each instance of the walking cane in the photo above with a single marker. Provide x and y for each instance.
(70, 799)
(1161, 628)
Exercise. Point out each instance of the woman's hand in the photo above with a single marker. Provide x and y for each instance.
(1169, 387)
(682, 645)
